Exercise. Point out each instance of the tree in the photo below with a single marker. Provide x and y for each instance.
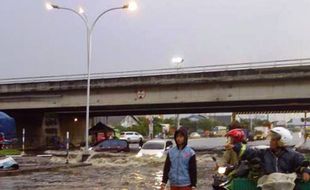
(202, 124)
(143, 125)
(245, 123)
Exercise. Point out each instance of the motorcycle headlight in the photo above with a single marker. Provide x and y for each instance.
(221, 170)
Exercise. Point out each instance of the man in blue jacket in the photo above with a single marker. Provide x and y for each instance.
(180, 166)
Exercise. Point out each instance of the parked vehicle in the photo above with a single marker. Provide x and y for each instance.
(156, 148)
(131, 137)
(194, 135)
(218, 131)
(111, 145)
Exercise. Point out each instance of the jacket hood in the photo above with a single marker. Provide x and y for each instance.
(183, 131)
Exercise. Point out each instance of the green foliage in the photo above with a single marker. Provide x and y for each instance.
(143, 125)
(202, 124)
(245, 123)
(5, 152)
(170, 121)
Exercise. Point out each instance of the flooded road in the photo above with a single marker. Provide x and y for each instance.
(120, 171)
(109, 171)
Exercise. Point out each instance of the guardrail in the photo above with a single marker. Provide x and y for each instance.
(166, 71)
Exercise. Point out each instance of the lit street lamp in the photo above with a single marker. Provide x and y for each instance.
(177, 62)
(132, 6)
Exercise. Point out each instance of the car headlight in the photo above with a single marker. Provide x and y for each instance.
(159, 155)
(221, 170)
(139, 155)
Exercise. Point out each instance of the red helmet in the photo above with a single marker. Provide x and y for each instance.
(236, 134)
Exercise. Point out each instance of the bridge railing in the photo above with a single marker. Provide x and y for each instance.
(165, 71)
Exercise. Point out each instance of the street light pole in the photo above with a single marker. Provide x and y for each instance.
(89, 29)
(177, 61)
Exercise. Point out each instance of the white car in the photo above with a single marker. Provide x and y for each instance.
(156, 148)
(131, 137)
(194, 135)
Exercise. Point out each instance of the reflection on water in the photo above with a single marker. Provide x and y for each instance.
(158, 178)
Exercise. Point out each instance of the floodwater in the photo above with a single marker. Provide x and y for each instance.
(110, 171)
(120, 171)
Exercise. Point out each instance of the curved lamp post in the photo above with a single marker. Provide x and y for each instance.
(177, 61)
(132, 6)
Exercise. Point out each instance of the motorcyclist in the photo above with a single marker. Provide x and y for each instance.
(235, 149)
(280, 162)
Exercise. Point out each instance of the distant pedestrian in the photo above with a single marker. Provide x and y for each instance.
(234, 125)
(1, 141)
(180, 166)
(140, 143)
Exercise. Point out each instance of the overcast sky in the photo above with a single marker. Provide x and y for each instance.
(37, 42)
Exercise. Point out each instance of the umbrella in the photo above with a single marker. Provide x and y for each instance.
(7, 126)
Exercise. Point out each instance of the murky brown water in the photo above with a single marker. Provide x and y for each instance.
(109, 171)
(115, 172)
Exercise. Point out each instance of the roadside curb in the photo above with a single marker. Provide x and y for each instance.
(40, 169)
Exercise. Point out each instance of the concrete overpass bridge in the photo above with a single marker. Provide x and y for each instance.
(232, 88)
(261, 86)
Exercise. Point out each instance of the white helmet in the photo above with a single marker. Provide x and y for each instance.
(286, 136)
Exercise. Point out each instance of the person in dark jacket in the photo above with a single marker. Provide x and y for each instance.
(280, 158)
(1, 141)
(180, 166)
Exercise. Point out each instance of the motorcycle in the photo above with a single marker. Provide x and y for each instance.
(244, 176)
(221, 179)
(225, 175)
